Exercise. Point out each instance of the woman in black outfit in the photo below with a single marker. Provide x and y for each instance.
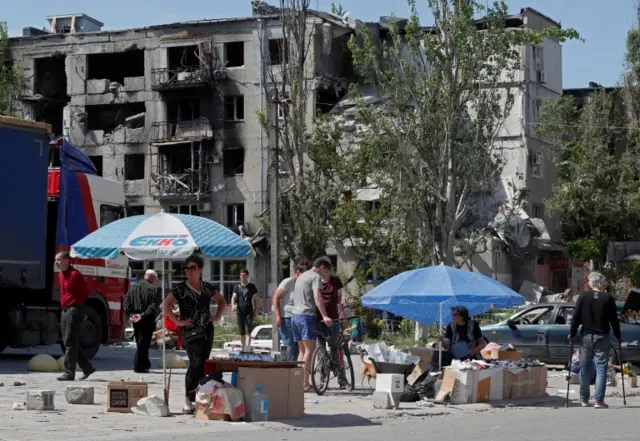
(194, 299)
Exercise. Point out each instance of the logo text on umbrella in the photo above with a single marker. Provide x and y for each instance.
(175, 240)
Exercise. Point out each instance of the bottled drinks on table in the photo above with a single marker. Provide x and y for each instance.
(259, 405)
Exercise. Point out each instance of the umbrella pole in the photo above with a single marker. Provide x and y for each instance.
(164, 335)
(439, 340)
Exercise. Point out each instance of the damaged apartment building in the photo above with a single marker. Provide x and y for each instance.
(171, 111)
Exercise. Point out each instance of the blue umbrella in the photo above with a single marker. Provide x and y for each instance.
(422, 294)
(161, 236)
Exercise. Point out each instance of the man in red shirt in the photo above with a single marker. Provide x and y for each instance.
(73, 294)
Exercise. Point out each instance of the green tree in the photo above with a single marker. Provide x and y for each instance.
(433, 142)
(11, 78)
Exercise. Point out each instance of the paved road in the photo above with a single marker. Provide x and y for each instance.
(338, 414)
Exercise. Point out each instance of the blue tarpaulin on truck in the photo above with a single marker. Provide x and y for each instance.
(76, 216)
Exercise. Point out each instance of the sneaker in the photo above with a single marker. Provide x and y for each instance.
(584, 403)
(86, 375)
(65, 377)
(601, 405)
(188, 407)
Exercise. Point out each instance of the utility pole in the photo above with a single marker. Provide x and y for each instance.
(274, 214)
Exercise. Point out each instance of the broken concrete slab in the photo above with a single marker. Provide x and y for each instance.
(97, 87)
(134, 84)
(93, 138)
(40, 400)
(79, 395)
(151, 406)
(135, 136)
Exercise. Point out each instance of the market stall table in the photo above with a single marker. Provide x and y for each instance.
(224, 365)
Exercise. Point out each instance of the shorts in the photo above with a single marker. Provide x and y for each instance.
(245, 323)
(304, 327)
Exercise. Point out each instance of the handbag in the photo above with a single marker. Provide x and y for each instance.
(194, 335)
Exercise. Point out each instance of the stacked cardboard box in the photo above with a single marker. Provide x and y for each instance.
(284, 387)
(525, 383)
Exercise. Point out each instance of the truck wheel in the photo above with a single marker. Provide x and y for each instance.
(90, 334)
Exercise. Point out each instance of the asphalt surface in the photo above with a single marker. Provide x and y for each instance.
(346, 415)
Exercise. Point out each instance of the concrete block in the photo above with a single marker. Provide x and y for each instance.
(383, 400)
(133, 84)
(79, 395)
(151, 406)
(97, 87)
(93, 138)
(40, 400)
(390, 383)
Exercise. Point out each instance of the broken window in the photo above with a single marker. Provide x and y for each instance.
(135, 210)
(109, 117)
(183, 109)
(234, 108)
(134, 166)
(97, 162)
(191, 209)
(234, 53)
(178, 169)
(184, 56)
(235, 215)
(233, 161)
(278, 52)
(116, 66)
(50, 77)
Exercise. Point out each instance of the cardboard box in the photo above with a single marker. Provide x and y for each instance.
(490, 385)
(473, 385)
(525, 383)
(497, 354)
(123, 395)
(426, 355)
(284, 386)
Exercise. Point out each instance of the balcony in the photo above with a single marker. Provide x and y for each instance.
(179, 132)
(186, 77)
(187, 183)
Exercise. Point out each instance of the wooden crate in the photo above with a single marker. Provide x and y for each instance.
(123, 395)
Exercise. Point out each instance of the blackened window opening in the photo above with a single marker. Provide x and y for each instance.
(116, 66)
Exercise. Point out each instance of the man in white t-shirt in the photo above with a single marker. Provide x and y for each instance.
(283, 306)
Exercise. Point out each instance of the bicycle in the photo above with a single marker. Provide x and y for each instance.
(327, 362)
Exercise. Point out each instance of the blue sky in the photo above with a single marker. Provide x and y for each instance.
(603, 25)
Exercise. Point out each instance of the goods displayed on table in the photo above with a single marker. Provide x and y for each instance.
(478, 381)
(219, 401)
(247, 356)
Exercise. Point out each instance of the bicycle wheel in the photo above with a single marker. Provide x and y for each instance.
(320, 368)
(349, 374)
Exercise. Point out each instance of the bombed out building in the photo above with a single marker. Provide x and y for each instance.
(171, 112)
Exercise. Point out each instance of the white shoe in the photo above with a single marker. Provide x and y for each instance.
(188, 407)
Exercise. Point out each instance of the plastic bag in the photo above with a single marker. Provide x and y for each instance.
(219, 401)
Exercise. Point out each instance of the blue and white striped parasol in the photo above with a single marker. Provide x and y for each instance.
(161, 236)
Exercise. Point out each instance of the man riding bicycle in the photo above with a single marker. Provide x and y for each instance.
(332, 299)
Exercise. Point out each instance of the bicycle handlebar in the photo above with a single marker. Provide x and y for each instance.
(338, 320)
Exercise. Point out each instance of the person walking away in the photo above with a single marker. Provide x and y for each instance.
(283, 307)
(142, 307)
(196, 322)
(245, 302)
(307, 296)
(596, 312)
(73, 295)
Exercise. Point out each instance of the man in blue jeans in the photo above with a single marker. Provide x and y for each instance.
(283, 307)
(596, 311)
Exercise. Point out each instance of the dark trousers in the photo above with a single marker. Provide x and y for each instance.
(198, 353)
(143, 332)
(70, 324)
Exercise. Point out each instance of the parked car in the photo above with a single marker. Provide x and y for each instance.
(260, 340)
(541, 332)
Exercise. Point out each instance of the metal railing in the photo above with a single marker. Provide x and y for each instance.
(179, 77)
(169, 184)
(175, 132)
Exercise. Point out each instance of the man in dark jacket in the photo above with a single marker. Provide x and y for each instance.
(142, 307)
(596, 311)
